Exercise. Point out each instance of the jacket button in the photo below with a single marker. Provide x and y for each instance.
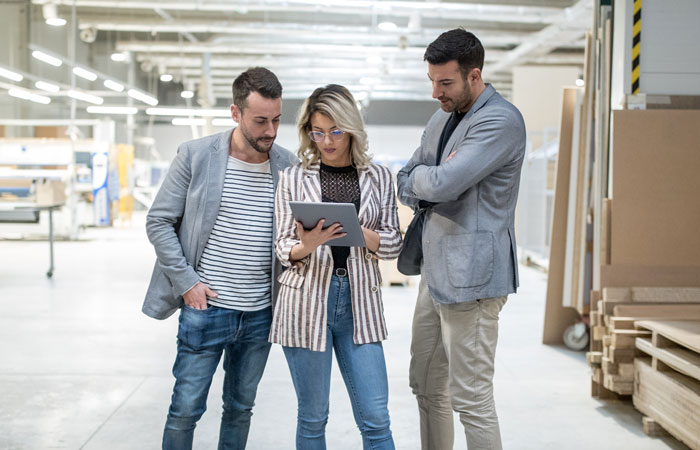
(368, 256)
(374, 288)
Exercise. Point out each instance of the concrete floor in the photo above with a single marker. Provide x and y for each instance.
(82, 368)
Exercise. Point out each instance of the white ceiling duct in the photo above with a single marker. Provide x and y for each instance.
(308, 42)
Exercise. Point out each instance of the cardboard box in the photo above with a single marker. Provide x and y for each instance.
(647, 101)
(655, 187)
(16, 183)
(50, 192)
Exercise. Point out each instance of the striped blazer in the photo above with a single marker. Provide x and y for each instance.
(299, 315)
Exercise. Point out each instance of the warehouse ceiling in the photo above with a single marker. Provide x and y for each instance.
(375, 48)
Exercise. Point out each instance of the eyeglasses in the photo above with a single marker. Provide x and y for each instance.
(335, 135)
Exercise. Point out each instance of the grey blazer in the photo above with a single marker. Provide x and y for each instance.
(183, 215)
(469, 248)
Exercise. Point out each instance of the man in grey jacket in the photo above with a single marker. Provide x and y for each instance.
(466, 171)
(212, 227)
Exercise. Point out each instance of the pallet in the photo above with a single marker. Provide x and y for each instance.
(613, 331)
(674, 345)
(667, 381)
(652, 428)
(600, 392)
(594, 358)
(671, 399)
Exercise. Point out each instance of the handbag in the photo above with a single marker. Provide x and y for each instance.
(411, 255)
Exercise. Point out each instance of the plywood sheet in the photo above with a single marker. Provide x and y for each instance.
(556, 316)
(675, 312)
(653, 294)
(670, 398)
(624, 275)
(656, 161)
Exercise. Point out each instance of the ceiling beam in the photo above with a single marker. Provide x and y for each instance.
(297, 31)
(570, 26)
(442, 10)
(219, 46)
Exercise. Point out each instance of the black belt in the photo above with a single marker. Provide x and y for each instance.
(341, 272)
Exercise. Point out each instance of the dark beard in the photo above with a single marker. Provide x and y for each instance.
(254, 142)
(462, 102)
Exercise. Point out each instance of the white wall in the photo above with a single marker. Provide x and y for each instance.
(537, 93)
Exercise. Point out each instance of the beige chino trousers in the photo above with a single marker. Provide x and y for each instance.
(452, 365)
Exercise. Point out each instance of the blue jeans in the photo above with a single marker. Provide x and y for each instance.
(202, 337)
(364, 372)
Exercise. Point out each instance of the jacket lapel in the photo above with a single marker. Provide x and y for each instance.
(218, 159)
(311, 185)
(275, 164)
(464, 123)
(367, 194)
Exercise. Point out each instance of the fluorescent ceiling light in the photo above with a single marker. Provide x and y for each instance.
(26, 95)
(127, 110)
(85, 97)
(10, 75)
(44, 86)
(142, 97)
(119, 56)
(84, 73)
(48, 59)
(51, 15)
(223, 122)
(166, 77)
(186, 94)
(113, 85)
(188, 122)
(56, 22)
(188, 112)
(387, 26)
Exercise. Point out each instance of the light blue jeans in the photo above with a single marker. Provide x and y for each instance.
(364, 372)
(203, 336)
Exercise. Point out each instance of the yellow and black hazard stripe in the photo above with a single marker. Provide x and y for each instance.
(636, 44)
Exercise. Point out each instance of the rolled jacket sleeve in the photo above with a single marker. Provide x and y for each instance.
(285, 223)
(390, 240)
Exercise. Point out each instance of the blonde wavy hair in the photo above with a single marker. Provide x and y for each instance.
(336, 103)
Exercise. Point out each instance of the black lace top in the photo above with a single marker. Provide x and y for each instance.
(340, 185)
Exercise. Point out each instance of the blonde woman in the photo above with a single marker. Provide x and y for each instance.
(330, 297)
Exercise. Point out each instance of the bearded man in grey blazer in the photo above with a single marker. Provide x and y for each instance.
(466, 172)
(212, 227)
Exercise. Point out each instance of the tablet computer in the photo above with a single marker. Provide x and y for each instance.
(309, 213)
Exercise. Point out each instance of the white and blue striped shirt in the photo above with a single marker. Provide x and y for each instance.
(237, 259)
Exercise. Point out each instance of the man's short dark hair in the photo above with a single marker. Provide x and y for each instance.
(256, 79)
(459, 45)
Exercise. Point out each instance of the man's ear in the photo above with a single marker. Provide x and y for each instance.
(236, 113)
(474, 74)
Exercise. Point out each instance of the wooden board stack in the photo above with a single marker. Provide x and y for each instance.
(667, 379)
(614, 335)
